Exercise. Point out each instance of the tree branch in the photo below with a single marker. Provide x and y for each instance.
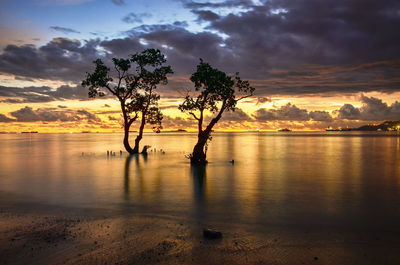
(217, 118)
(111, 90)
(136, 80)
(194, 115)
(120, 77)
(201, 121)
(244, 97)
(131, 120)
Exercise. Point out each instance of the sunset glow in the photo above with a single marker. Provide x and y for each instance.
(44, 58)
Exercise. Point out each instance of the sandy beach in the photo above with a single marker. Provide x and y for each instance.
(42, 234)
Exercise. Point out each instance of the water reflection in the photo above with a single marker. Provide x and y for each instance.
(128, 161)
(303, 179)
(139, 161)
(199, 178)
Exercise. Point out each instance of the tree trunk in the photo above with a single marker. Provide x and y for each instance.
(137, 141)
(127, 126)
(127, 146)
(198, 156)
(140, 135)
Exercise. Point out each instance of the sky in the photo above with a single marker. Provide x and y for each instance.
(314, 64)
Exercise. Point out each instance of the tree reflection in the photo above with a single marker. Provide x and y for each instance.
(127, 171)
(199, 175)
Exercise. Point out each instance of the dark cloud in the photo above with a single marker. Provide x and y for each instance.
(41, 94)
(27, 114)
(4, 118)
(380, 76)
(118, 2)
(88, 115)
(183, 48)
(290, 112)
(181, 24)
(288, 35)
(282, 46)
(349, 112)
(64, 30)
(192, 45)
(287, 112)
(177, 122)
(320, 116)
(206, 15)
(60, 59)
(221, 4)
(373, 109)
(262, 100)
(123, 47)
(135, 18)
(235, 116)
(313, 32)
(11, 100)
(62, 107)
(111, 118)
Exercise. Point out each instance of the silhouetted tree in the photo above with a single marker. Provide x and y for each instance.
(216, 92)
(134, 89)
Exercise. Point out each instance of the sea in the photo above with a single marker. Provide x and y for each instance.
(289, 180)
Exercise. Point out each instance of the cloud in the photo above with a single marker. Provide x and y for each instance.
(221, 4)
(284, 47)
(135, 18)
(41, 94)
(27, 114)
(235, 116)
(349, 112)
(122, 47)
(118, 2)
(320, 116)
(183, 48)
(291, 35)
(311, 32)
(88, 115)
(373, 109)
(177, 122)
(206, 15)
(4, 118)
(64, 30)
(60, 59)
(291, 112)
(287, 112)
(262, 100)
(62, 2)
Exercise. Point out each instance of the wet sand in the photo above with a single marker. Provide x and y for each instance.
(45, 234)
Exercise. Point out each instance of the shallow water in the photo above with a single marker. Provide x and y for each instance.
(344, 180)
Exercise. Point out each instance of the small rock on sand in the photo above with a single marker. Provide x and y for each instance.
(211, 234)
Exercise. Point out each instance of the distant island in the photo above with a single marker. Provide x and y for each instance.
(173, 131)
(385, 126)
(284, 130)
